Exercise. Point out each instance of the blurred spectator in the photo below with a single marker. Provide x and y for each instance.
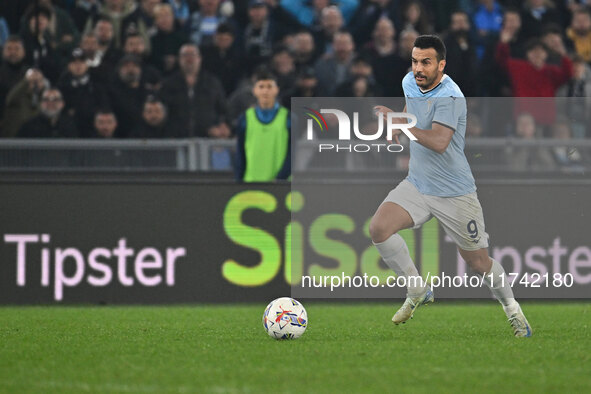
(89, 45)
(388, 67)
(308, 13)
(361, 82)
(383, 41)
(368, 16)
(61, 27)
(81, 93)
(579, 32)
(105, 124)
(204, 23)
(4, 31)
(12, 68)
(304, 49)
(181, 11)
(195, 99)
(414, 16)
(536, 15)
(552, 39)
(264, 136)
(577, 107)
(223, 59)
(106, 51)
(461, 62)
(331, 22)
(242, 98)
(533, 77)
(23, 101)
(567, 156)
(528, 158)
(439, 12)
(117, 12)
(497, 82)
(145, 12)
(135, 44)
(488, 20)
(306, 85)
(154, 122)
(82, 11)
(167, 41)
(513, 28)
(405, 45)
(283, 67)
(39, 43)
(332, 69)
(52, 122)
(128, 94)
(259, 34)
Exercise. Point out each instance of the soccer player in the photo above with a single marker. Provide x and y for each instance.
(264, 141)
(440, 184)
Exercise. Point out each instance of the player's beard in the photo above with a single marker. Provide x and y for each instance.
(427, 82)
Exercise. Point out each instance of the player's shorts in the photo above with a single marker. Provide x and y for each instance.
(461, 217)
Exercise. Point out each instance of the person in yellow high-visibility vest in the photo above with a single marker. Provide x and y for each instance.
(263, 135)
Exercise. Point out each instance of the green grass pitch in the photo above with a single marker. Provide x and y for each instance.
(447, 347)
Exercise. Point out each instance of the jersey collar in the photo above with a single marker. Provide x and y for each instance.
(435, 87)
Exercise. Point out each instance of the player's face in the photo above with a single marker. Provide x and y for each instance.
(426, 68)
(266, 91)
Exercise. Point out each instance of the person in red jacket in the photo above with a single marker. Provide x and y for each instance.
(533, 77)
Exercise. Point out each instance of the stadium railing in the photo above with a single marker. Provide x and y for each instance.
(199, 154)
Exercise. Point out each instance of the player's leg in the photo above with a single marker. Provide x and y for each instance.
(389, 219)
(462, 219)
(400, 210)
(496, 279)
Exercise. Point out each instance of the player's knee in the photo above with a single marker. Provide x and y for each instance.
(478, 263)
(379, 231)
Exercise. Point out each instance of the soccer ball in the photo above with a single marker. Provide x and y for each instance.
(285, 318)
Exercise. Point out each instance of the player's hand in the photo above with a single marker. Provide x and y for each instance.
(382, 111)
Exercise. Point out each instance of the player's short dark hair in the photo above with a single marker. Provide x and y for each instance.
(431, 41)
(264, 74)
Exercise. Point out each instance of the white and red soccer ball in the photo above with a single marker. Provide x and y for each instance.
(285, 318)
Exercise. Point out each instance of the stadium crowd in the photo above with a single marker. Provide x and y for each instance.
(184, 68)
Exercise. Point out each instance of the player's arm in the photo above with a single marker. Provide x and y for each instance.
(437, 139)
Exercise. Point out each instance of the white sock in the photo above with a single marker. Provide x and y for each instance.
(501, 288)
(395, 254)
